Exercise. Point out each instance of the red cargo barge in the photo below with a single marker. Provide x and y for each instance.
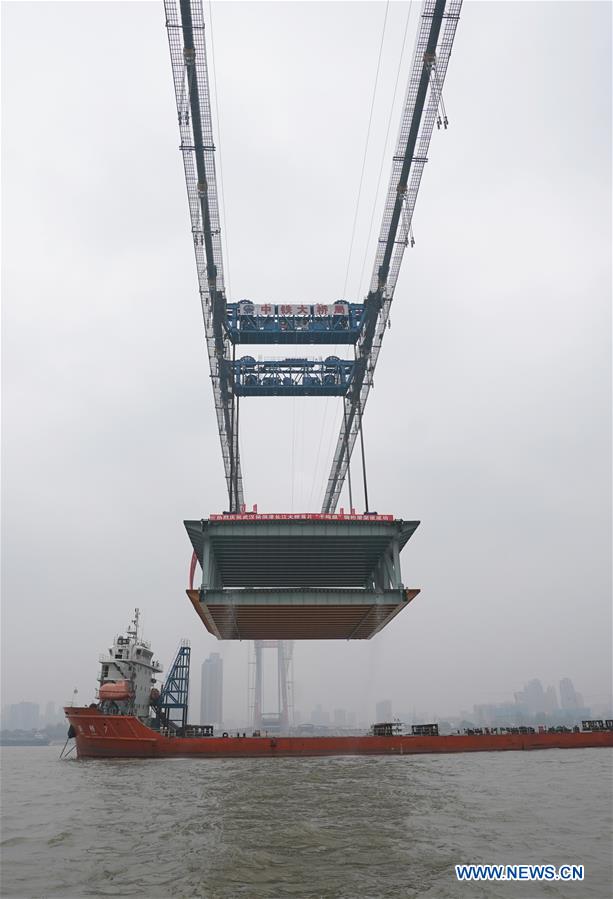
(125, 736)
(134, 719)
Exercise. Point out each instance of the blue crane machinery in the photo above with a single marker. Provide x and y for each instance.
(294, 323)
(171, 705)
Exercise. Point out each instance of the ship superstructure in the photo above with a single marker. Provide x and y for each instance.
(128, 674)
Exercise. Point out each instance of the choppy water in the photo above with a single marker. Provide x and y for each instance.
(338, 828)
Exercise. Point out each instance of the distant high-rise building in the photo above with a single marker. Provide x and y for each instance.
(339, 717)
(23, 716)
(532, 698)
(551, 701)
(211, 696)
(384, 710)
(320, 716)
(569, 699)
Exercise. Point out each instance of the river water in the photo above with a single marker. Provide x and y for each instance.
(337, 828)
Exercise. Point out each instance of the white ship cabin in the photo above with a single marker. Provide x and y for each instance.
(128, 674)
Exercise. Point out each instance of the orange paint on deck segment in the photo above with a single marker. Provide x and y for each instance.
(297, 622)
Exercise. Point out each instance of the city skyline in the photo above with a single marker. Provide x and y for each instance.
(533, 698)
(28, 716)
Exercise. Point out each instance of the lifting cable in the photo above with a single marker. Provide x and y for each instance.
(355, 219)
(224, 231)
(234, 438)
(372, 106)
(347, 454)
(441, 113)
(384, 155)
(353, 230)
(238, 399)
(362, 447)
(233, 466)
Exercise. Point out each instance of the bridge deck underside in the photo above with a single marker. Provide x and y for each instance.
(298, 615)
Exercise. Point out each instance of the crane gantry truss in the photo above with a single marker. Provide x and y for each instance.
(423, 98)
(185, 26)
(225, 325)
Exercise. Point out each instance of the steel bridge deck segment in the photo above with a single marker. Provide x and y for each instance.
(299, 579)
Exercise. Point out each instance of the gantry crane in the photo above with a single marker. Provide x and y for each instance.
(359, 324)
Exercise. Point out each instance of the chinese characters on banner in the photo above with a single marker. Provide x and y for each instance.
(267, 310)
(297, 516)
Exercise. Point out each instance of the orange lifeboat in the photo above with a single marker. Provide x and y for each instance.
(118, 691)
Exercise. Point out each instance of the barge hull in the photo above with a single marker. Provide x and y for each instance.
(124, 736)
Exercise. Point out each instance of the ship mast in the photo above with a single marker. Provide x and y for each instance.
(133, 629)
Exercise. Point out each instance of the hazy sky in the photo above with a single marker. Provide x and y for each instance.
(490, 420)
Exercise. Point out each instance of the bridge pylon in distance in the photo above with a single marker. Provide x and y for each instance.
(279, 720)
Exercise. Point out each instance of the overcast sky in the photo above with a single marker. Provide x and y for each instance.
(490, 420)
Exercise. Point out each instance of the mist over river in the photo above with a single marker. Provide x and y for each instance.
(336, 828)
